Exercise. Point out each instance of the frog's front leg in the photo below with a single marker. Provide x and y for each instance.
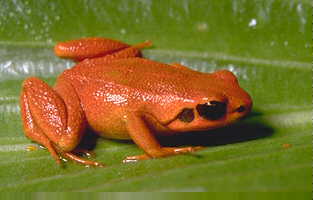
(81, 49)
(140, 133)
(53, 117)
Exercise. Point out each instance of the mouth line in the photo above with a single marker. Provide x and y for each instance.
(203, 125)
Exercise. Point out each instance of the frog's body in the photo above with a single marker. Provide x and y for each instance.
(122, 96)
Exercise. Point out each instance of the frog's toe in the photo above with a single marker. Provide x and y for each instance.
(83, 161)
(180, 150)
(130, 159)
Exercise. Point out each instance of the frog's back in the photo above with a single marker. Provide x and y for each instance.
(136, 73)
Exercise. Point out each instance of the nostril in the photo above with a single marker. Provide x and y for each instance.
(241, 109)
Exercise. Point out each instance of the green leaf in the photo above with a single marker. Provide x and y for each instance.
(267, 44)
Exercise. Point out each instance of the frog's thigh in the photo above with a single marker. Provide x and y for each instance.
(88, 48)
(32, 131)
(58, 115)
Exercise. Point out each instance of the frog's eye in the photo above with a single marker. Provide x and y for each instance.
(186, 115)
(212, 110)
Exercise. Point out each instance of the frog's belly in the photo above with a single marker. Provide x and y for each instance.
(112, 128)
(103, 116)
(114, 135)
(106, 120)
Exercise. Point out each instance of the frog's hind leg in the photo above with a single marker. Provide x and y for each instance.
(33, 132)
(81, 49)
(53, 118)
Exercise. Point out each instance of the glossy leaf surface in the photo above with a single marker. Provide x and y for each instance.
(267, 44)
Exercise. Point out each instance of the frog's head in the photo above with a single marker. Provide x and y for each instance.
(222, 104)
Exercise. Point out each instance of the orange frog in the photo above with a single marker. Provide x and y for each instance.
(120, 95)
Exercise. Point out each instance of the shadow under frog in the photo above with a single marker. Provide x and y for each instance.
(242, 131)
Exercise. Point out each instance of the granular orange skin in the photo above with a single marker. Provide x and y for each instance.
(123, 96)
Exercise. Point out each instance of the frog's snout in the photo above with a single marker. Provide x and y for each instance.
(239, 109)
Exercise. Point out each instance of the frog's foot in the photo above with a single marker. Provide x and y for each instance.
(83, 161)
(72, 156)
(163, 152)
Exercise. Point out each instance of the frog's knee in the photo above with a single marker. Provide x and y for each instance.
(67, 145)
(31, 82)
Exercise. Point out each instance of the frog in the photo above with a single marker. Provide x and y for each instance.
(118, 94)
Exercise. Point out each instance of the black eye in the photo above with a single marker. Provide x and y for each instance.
(186, 115)
(212, 111)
